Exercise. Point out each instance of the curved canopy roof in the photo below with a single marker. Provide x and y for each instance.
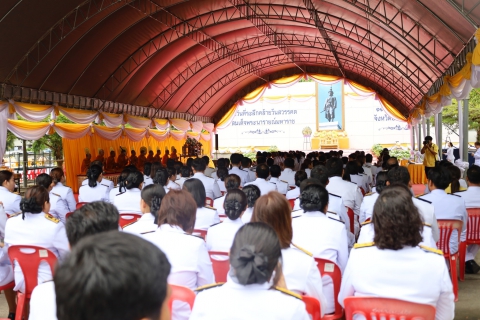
(200, 56)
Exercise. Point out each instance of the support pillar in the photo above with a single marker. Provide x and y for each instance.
(428, 126)
(25, 164)
(464, 130)
(412, 138)
(419, 136)
(438, 132)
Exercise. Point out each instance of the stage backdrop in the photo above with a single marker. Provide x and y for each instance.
(280, 115)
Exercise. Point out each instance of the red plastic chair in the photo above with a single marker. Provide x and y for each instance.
(180, 293)
(29, 258)
(385, 308)
(221, 265)
(126, 218)
(209, 202)
(362, 191)
(313, 307)
(328, 268)
(446, 228)
(473, 237)
(223, 192)
(75, 196)
(351, 217)
(292, 203)
(200, 232)
(80, 204)
(68, 215)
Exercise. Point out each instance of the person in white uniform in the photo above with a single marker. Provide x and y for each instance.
(106, 182)
(449, 153)
(172, 176)
(147, 172)
(248, 293)
(185, 173)
(35, 226)
(129, 200)
(351, 195)
(220, 236)
(206, 216)
(288, 175)
(67, 200)
(151, 199)
(295, 193)
(476, 155)
(352, 174)
(253, 193)
(10, 200)
(366, 209)
(447, 206)
(90, 219)
(188, 255)
(471, 196)
(231, 182)
(275, 172)
(161, 178)
(299, 268)
(394, 265)
(247, 167)
(208, 170)
(94, 190)
(236, 161)
(120, 186)
(93, 281)
(222, 173)
(211, 187)
(262, 173)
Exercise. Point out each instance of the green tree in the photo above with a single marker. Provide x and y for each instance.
(10, 141)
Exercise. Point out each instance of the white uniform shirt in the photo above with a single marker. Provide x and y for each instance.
(282, 186)
(66, 194)
(11, 201)
(264, 185)
(288, 175)
(43, 304)
(128, 201)
(98, 193)
(206, 217)
(247, 215)
(477, 157)
(181, 180)
(244, 177)
(448, 206)
(3, 222)
(218, 204)
(211, 187)
(252, 175)
(302, 275)
(143, 225)
(56, 207)
(147, 180)
(172, 185)
(6, 269)
(351, 195)
(366, 208)
(450, 156)
(293, 193)
(106, 182)
(191, 265)
(361, 181)
(208, 171)
(308, 171)
(36, 230)
(253, 301)
(113, 193)
(367, 168)
(221, 186)
(410, 274)
(471, 196)
(220, 237)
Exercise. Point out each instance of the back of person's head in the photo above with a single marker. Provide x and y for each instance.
(334, 167)
(368, 158)
(270, 162)
(57, 174)
(134, 180)
(178, 208)
(396, 219)
(232, 181)
(161, 177)
(153, 195)
(170, 163)
(262, 171)
(90, 219)
(178, 166)
(34, 200)
(381, 181)
(289, 163)
(153, 170)
(198, 165)
(344, 160)
(93, 173)
(236, 159)
(351, 168)
(261, 160)
(44, 180)
(308, 182)
(255, 253)
(314, 198)
(385, 162)
(100, 279)
(320, 173)
(253, 193)
(392, 162)
(246, 162)
(206, 159)
(185, 172)
(398, 175)
(473, 175)
(274, 209)
(428, 138)
(221, 163)
(97, 163)
(275, 171)
(196, 188)
(5, 176)
(299, 177)
(222, 173)
(235, 203)
(147, 168)
(123, 178)
(456, 174)
(440, 177)
(445, 163)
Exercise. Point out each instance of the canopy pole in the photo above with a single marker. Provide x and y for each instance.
(438, 132)
(464, 130)
(25, 164)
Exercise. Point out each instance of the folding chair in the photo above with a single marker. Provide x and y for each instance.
(221, 265)
(209, 202)
(126, 218)
(328, 268)
(180, 293)
(351, 217)
(292, 203)
(385, 308)
(473, 237)
(200, 232)
(313, 307)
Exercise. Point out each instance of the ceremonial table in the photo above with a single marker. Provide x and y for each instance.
(417, 173)
(109, 176)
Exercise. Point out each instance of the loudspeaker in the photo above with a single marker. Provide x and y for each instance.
(216, 141)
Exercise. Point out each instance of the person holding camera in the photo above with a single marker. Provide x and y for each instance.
(430, 152)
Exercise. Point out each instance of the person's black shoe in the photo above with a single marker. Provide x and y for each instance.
(11, 316)
(471, 267)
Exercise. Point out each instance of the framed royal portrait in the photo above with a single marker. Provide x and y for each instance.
(330, 109)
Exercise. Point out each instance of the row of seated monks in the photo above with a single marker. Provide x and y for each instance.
(113, 165)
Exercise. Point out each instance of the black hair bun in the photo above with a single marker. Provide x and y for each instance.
(30, 205)
(250, 266)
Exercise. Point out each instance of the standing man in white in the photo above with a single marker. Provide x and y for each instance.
(476, 155)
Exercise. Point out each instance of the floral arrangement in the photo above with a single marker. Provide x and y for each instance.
(192, 142)
(307, 131)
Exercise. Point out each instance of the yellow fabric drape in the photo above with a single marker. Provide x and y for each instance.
(228, 116)
(33, 107)
(392, 110)
(476, 51)
(255, 93)
(286, 80)
(29, 126)
(71, 127)
(323, 77)
(358, 86)
(75, 111)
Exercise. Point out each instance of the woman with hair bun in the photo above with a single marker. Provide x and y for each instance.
(220, 236)
(147, 171)
(67, 200)
(206, 216)
(128, 201)
(35, 226)
(299, 267)
(172, 176)
(10, 200)
(253, 193)
(255, 263)
(94, 190)
(120, 184)
(161, 178)
(152, 196)
(366, 209)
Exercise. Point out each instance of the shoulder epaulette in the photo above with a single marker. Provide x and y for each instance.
(290, 293)
(303, 250)
(56, 195)
(272, 182)
(418, 196)
(15, 214)
(129, 224)
(461, 191)
(427, 224)
(209, 286)
(351, 182)
(424, 200)
(215, 224)
(334, 195)
(51, 218)
(332, 212)
(364, 223)
(105, 185)
(336, 220)
(296, 216)
(211, 208)
(369, 194)
(283, 181)
(428, 249)
(456, 195)
(363, 245)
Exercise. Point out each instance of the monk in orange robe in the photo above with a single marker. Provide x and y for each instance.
(150, 156)
(122, 160)
(86, 163)
(165, 157)
(173, 155)
(101, 157)
(142, 159)
(133, 159)
(157, 157)
(111, 165)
